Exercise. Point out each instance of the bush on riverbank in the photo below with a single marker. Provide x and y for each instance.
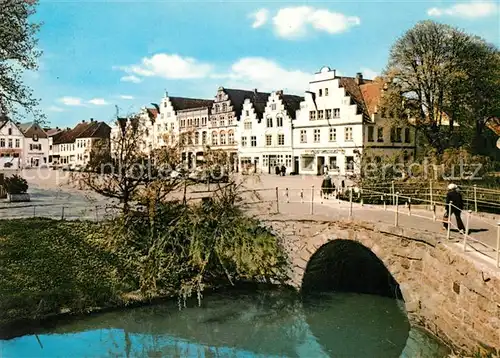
(51, 266)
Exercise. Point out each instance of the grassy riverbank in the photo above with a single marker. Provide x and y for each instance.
(51, 267)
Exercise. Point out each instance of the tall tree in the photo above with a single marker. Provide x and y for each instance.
(439, 74)
(18, 52)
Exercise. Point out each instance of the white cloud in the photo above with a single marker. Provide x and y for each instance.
(55, 109)
(169, 66)
(98, 102)
(71, 101)
(473, 9)
(368, 73)
(265, 75)
(131, 78)
(294, 22)
(260, 18)
(123, 96)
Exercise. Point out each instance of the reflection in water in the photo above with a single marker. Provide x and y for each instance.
(261, 324)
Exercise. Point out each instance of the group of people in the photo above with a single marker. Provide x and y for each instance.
(280, 170)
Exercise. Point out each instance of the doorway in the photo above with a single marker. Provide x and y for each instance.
(320, 165)
(296, 165)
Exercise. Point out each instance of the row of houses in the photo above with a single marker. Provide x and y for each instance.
(29, 145)
(330, 128)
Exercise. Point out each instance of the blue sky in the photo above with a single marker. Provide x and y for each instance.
(98, 54)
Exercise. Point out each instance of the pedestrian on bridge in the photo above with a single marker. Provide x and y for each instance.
(457, 205)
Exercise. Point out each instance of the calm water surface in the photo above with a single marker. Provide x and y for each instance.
(260, 324)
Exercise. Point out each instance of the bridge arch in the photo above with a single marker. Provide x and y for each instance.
(348, 266)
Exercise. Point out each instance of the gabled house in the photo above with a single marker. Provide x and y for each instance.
(36, 145)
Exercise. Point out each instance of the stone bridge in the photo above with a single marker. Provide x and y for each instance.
(454, 296)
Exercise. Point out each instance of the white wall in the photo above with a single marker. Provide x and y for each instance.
(332, 97)
(13, 154)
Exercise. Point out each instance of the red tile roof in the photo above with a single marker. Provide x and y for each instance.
(91, 129)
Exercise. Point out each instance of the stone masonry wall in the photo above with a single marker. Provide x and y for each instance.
(449, 294)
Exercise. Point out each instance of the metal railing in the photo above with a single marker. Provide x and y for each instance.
(397, 203)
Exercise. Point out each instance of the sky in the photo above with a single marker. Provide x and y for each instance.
(101, 54)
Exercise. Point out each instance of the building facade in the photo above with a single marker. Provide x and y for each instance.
(36, 145)
(337, 128)
(265, 133)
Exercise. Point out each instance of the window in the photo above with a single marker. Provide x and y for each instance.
(336, 112)
(317, 136)
(10, 131)
(328, 113)
(247, 113)
(253, 141)
(312, 115)
(197, 138)
(281, 139)
(333, 163)
(204, 121)
(18, 143)
(224, 107)
(168, 113)
(248, 125)
(396, 135)
(222, 138)
(204, 138)
(273, 106)
(371, 132)
(349, 163)
(320, 93)
(243, 141)
(216, 108)
(348, 134)
(279, 121)
(2, 143)
(303, 136)
(407, 135)
(269, 139)
(380, 134)
(230, 120)
(222, 122)
(320, 114)
(269, 122)
(10, 143)
(230, 138)
(171, 126)
(183, 124)
(333, 135)
(215, 138)
(326, 91)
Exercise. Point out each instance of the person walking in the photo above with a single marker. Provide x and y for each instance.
(457, 205)
(283, 170)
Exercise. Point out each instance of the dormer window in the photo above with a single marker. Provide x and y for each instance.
(10, 131)
(35, 137)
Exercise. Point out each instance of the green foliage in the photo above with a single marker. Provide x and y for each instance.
(18, 52)
(49, 265)
(440, 76)
(15, 184)
(182, 249)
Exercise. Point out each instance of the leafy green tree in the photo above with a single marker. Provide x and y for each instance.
(18, 52)
(439, 76)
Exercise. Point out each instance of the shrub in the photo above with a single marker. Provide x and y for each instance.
(15, 185)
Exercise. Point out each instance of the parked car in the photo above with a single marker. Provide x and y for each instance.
(7, 165)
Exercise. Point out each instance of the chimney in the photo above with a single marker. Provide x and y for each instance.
(255, 91)
(83, 120)
(91, 119)
(279, 93)
(359, 78)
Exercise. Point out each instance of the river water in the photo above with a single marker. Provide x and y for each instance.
(269, 323)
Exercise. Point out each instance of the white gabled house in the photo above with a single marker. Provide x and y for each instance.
(265, 131)
(338, 124)
(36, 145)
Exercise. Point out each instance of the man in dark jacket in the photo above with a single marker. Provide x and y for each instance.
(457, 205)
